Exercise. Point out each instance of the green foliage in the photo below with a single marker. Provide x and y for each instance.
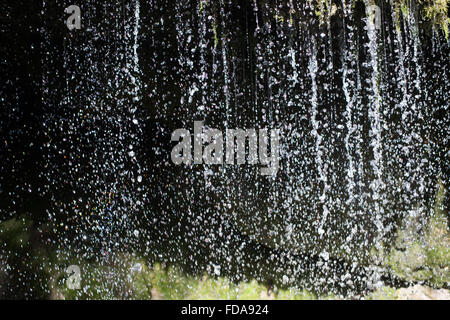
(436, 12)
(23, 264)
(424, 258)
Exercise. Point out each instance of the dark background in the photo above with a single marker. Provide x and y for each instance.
(49, 74)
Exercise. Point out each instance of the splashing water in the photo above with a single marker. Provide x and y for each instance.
(361, 113)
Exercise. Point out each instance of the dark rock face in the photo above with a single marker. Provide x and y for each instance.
(362, 123)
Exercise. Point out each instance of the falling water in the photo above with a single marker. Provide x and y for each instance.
(362, 143)
(375, 133)
(348, 86)
(319, 152)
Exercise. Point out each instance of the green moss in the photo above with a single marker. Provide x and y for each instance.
(216, 37)
(384, 293)
(436, 12)
(427, 257)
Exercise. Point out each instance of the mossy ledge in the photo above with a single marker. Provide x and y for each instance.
(433, 13)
